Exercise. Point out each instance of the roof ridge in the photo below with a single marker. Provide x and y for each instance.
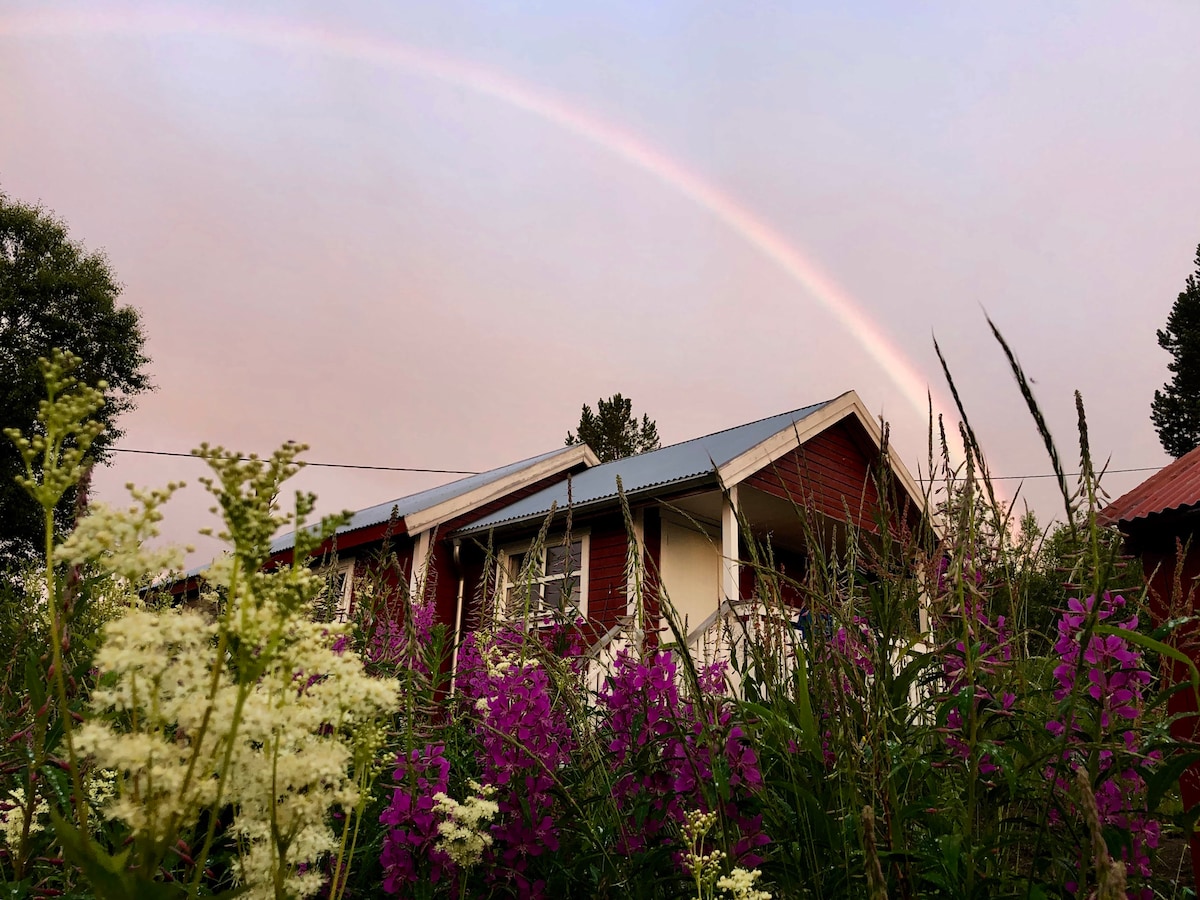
(702, 437)
(694, 458)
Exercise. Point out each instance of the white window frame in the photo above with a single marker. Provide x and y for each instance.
(343, 570)
(507, 579)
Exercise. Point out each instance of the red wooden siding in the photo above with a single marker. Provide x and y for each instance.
(651, 564)
(607, 600)
(779, 582)
(446, 589)
(832, 473)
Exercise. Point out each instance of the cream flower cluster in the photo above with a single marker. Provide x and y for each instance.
(292, 755)
(12, 820)
(162, 667)
(705, 867)
(54, 459)
(739, 884)
(118, 539)
(463, 834)
(499, 661)
(300, 722)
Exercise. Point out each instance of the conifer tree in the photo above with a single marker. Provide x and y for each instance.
(612, 431)
(1175, 410)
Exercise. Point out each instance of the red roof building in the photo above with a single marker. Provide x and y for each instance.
(1160, 520)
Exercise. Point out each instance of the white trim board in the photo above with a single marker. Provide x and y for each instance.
(425, 519)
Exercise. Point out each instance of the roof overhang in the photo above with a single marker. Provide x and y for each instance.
(433, 516)
(578, 510)
(848, 405)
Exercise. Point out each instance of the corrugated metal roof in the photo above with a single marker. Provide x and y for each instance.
(1175, 486)
(670, 465)
(406, 506)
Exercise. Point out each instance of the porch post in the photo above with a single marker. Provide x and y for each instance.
(730, 554)
(635, 568)
(420, 567)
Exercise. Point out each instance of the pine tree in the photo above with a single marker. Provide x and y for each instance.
(612, 431)
(1176, 408)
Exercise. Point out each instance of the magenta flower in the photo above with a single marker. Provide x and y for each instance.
(410, 854)
(1115, 678)
(524, 739)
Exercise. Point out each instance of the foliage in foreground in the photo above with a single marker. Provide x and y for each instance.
(906, 728)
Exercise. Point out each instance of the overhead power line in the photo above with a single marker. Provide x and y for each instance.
(324, 465)
(1065, 474)
(309, 464)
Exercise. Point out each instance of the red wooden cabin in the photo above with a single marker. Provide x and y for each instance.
(1160, 519)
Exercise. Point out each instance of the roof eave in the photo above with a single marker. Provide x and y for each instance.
(569, 458)
(787, 439)
(581, 509)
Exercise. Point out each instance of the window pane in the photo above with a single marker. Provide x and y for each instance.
(562, 560)
(520, 595)
(556, 558)
(552, 595)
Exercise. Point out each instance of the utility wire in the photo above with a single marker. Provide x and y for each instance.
(309, 464)
(1053, 475)
(466, 472)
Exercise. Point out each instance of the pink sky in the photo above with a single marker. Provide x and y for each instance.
(422, 234)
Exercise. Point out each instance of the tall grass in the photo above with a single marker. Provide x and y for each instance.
(960, 706)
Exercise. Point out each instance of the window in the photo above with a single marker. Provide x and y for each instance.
(333, 603)
(551, 579)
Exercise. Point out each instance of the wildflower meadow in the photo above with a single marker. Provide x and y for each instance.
(970, 709)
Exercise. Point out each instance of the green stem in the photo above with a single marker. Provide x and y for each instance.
(210, 834)
(60, 680)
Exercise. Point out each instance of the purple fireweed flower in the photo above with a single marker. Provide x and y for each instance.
(410, 853)
(978, 663)
(665, 749)
(395, 642)
(524, 739)
(1112, 692)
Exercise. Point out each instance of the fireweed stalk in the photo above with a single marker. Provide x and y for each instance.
(1115, 681)
(524, 739)
(665, 751)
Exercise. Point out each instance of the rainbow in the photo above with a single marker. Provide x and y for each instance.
(386, 53)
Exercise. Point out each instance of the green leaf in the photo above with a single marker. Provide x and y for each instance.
(106, 874)
(1160, 779)
(35, 680)
(1158, 647)
(109, 876)
(808, 722)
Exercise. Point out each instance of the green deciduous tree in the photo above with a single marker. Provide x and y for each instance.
(1175, 410)
(55, 294)
(612, 431)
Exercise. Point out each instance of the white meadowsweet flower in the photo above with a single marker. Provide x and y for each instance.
(464, 832)
(276, 728)
(302, 718)
(12, 819)
(118, 539)
(739, 884)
